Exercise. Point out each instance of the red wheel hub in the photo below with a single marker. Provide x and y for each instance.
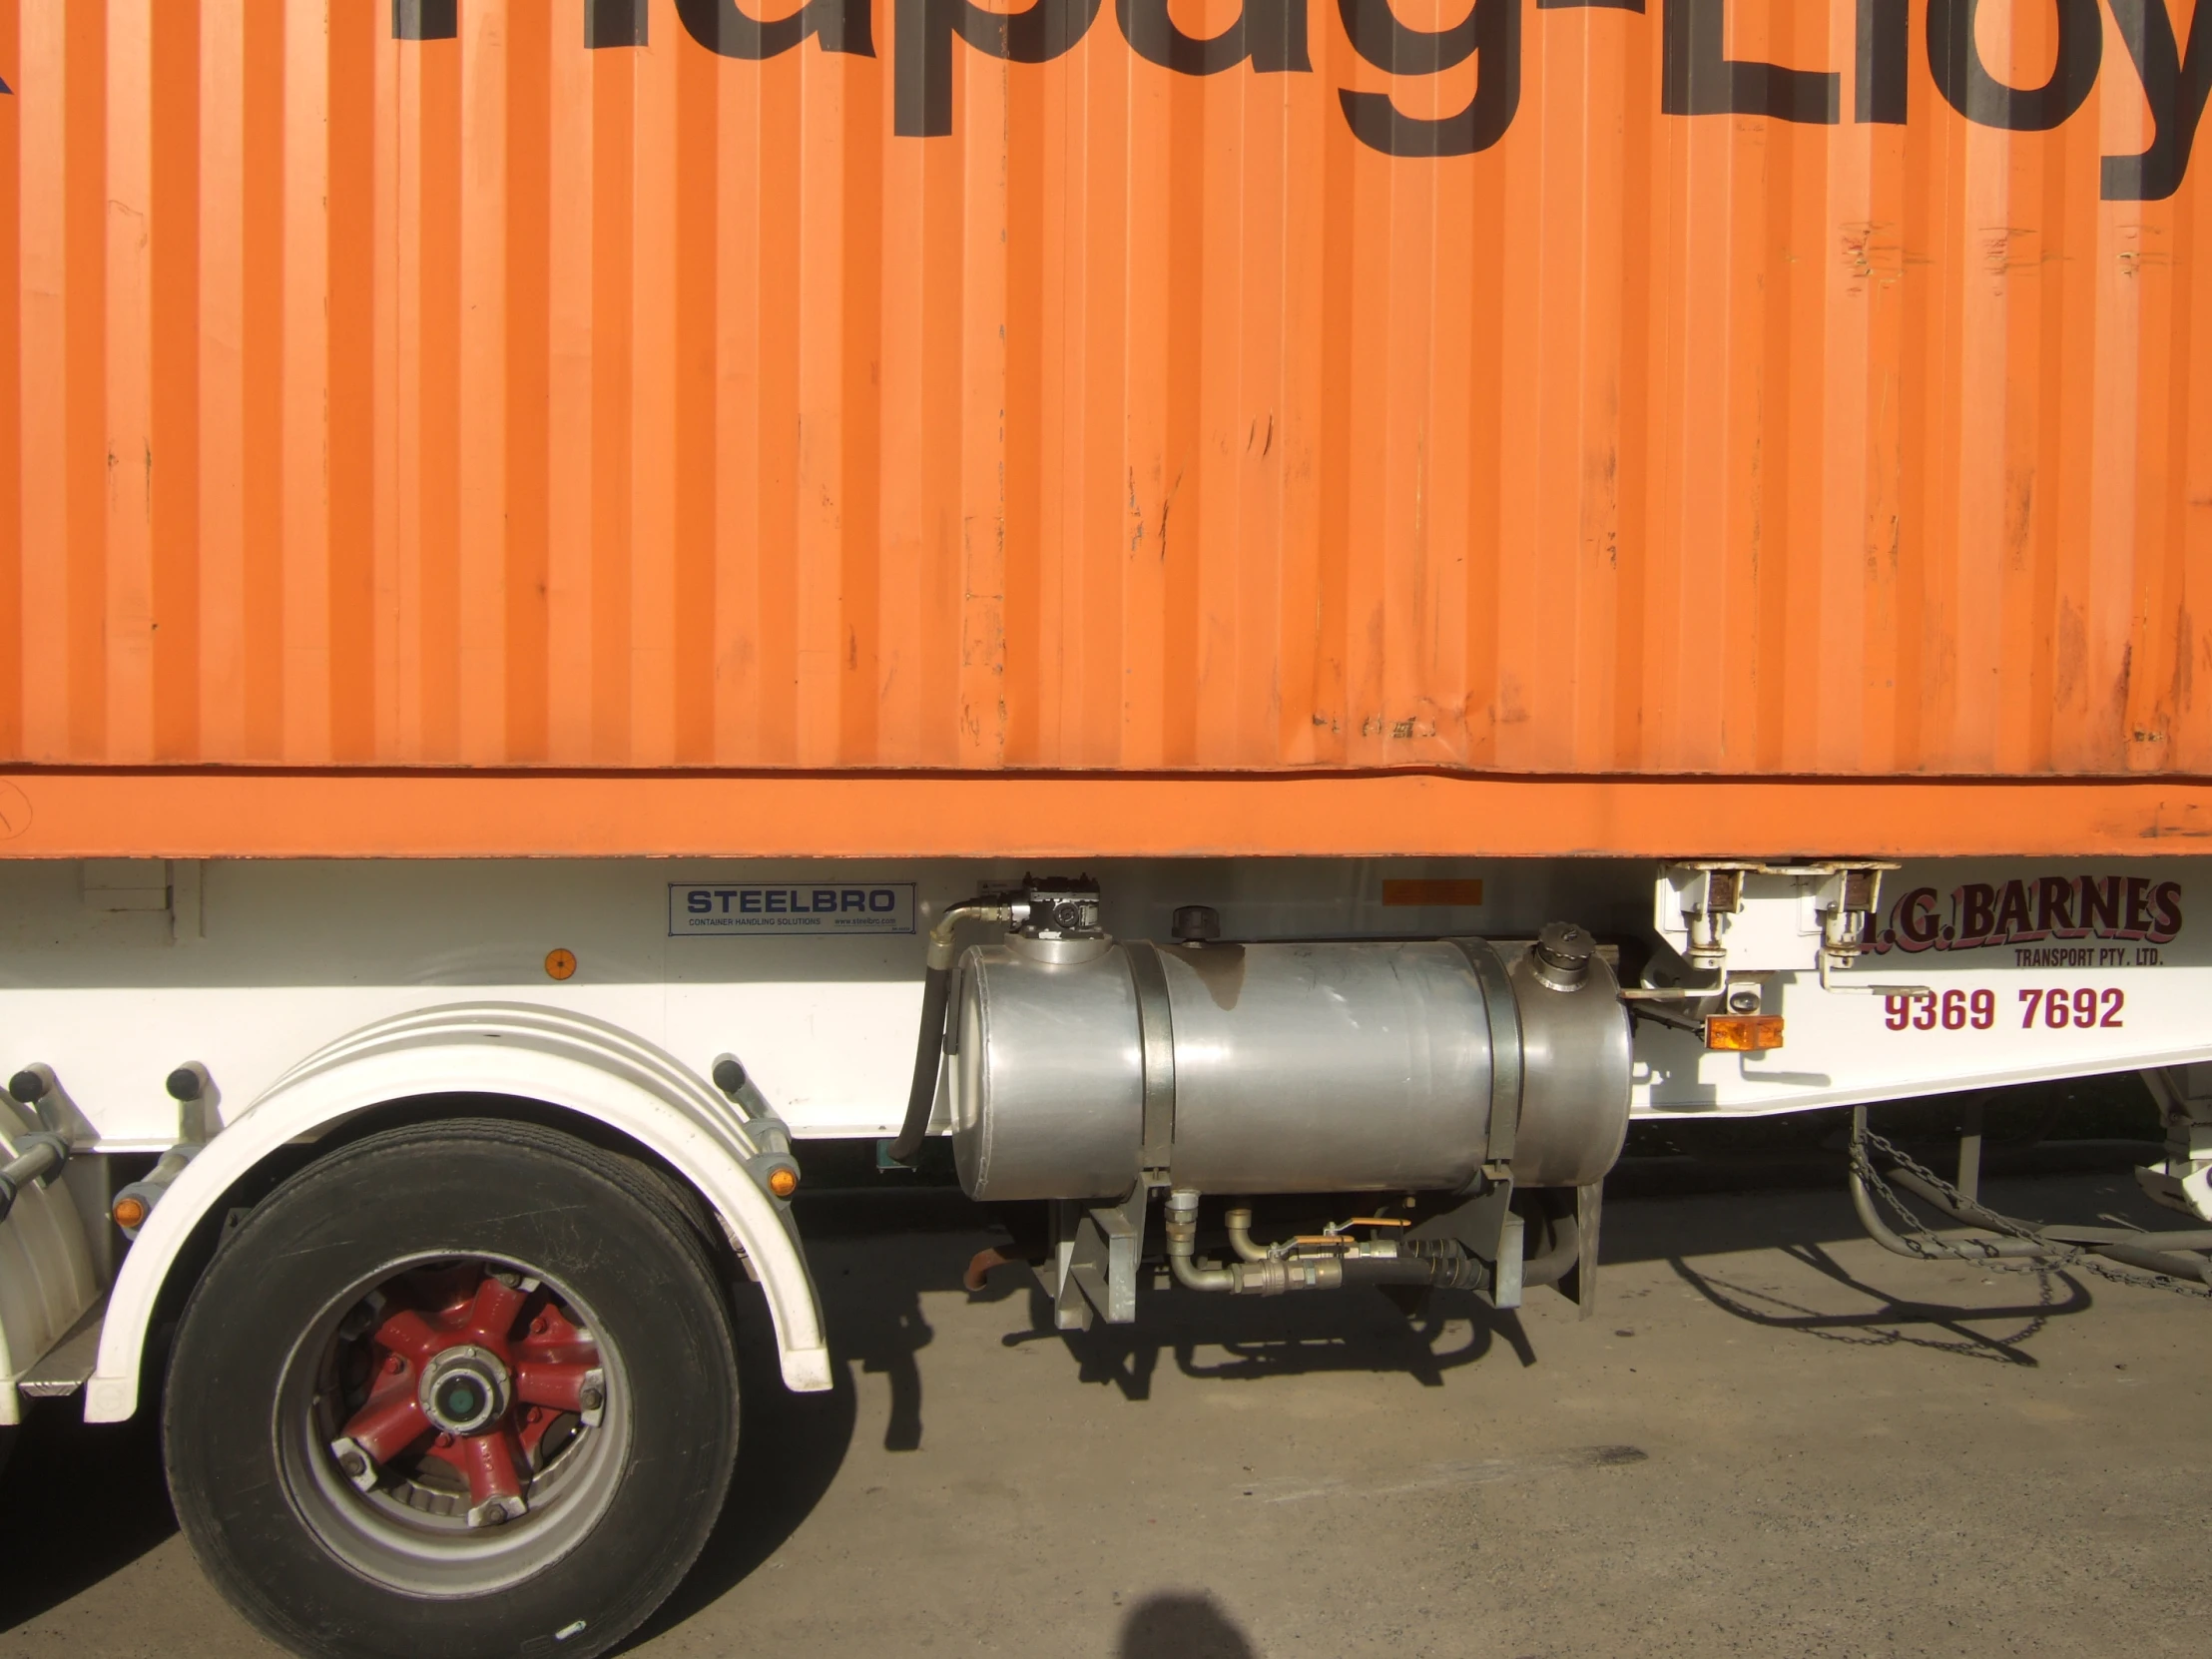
(473, 1367)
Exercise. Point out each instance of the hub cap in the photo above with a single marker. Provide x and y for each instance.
(457, 1426)
(465, 1390)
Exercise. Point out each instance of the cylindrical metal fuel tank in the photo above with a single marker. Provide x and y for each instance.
(1348, 1066)
(1047, 1070)
(1327, 1067)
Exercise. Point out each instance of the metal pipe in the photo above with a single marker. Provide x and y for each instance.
(1239, 1236)
(1862, 1202)
(1279, 1273)
(2149, 1252)
(41, 1154)
(1275, 1271)
(1182, 1230)
(2089, 1236)
(1837, 989)
(2158, 1261)
(2092, 1237)
(936, 987)
(1969, 1153)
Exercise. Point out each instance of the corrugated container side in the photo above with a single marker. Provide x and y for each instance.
(500, 400)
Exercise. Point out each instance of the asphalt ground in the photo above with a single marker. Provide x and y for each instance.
(1774, 1438)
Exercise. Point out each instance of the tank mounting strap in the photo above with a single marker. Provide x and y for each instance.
(1156, 1026)
(1503, 1009)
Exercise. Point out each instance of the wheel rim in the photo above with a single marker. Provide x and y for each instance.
(452, 1425)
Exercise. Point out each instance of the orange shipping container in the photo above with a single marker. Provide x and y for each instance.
(1424, 429)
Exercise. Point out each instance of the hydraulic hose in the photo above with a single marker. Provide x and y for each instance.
(1559, 1258)
(936, 987)
(1451, 1270)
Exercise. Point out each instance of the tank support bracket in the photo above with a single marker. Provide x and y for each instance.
(1095, 1256)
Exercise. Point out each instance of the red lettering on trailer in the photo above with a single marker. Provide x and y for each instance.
(2078, 1009)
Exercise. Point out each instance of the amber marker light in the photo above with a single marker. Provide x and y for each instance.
(1744, 1033)
(129, 1212)
(783, 1181)
(560, 965)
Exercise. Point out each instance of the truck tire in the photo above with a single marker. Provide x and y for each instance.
(463, 1389)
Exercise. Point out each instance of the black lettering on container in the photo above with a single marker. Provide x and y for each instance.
(724, 27)
(921, 97)
(1954, 57)
(426, 19)
(1272, 33)
(1697, 79)
(2175, 87)
(610, 23)
(1885, 61)
(1491, 28)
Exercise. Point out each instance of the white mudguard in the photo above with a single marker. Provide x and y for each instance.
(518, 1051)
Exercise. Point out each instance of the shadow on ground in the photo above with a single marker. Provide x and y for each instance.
(790, 1446)
(1247, 1340)
(79, 1503)
(1891, 1321)
(1179, 1625)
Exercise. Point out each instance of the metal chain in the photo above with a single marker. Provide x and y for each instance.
(1926, 1243)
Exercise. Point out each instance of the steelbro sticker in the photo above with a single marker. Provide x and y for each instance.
(699, 908)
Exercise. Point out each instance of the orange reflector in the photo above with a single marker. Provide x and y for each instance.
(130, 1213)
(1744, 1032)
(783, 1181)
(1432, 892)
(560, 965)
